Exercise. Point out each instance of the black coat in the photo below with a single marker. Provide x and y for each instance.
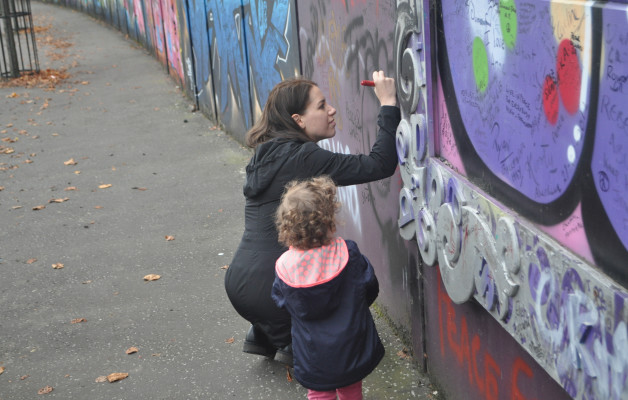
(250, 276)
(334, 339)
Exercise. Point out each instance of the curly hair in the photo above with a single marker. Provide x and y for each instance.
(306, 217)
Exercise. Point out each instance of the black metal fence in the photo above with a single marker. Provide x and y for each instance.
(17, 39)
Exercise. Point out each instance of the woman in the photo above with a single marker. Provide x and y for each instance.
(295, 118)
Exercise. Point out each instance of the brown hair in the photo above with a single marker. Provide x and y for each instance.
(288, 97)
(306, 216)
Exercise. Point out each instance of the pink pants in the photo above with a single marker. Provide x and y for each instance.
(351, 392)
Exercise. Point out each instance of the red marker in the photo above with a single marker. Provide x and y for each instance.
(367, 83)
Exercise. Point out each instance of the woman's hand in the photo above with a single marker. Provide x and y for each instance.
(385, 89)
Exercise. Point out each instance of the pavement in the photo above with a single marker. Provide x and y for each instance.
(109, 176)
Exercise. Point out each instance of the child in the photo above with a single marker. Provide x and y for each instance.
(327, 286)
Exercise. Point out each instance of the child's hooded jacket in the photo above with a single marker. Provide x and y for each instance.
(328, 291)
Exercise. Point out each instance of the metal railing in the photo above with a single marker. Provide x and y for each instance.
(17, 39)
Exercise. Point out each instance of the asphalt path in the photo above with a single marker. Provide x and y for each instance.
(106, 177)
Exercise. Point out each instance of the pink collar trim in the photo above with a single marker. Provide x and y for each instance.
(305, 268)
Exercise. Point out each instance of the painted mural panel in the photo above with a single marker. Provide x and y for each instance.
(186, 55)
(534, 92)
(272, 45)
(201, 63)
(475, 356)
(514, 206)
(172, 40)
(342, 43)
(229, 62)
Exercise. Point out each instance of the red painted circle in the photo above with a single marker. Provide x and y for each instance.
(550, 100)
(568, 69)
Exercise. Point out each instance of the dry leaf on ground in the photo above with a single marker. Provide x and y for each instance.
(224, 267)
(131, 350)
(105, 186)
(78, 320)
(31, 260)
(101, 378)
(230, 340)
(117, 376)
(169, 237)
(403, 353)
(70, 162)
(152, 277)
(45, 390)
(1, 370)
(288, 374)
(58, 266)
(58, 200)
(70, 188)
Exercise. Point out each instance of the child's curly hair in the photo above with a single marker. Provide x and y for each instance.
(306, 216)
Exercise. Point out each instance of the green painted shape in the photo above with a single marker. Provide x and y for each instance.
(508, 22)
(480, 64)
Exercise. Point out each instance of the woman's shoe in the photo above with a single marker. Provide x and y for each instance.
(256, 343)
(284, 355)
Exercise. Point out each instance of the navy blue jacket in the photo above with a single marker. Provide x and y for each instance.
(334, 339)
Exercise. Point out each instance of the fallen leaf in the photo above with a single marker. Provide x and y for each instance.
(9, 125)
(70, 188)
(45, 390)
(98, 207)
(117, 376)
(24, 377)
(101, 378)
(1, 188)
(403, 353)
(70, 162)
(139, 188)
(169, 237)
(16, 207)
(78, 320)
(31, 260)
(77, 172)
(152, 277)
(132, 350)
(37, 208)
(225, 267)
(57, 266)
(1, 370)
(86, 282)
(230, 340)
(13, 95)
(288, 374)
(105, 186)
(58, 200)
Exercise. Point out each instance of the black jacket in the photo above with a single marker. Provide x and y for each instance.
(334, 339)
(250, 276)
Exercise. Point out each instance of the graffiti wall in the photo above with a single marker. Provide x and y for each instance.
(501, 244)
(345, 43)
(517, 195)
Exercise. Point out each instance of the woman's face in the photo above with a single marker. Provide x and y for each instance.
(317, 120)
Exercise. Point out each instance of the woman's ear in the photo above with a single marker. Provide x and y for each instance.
(298, 120)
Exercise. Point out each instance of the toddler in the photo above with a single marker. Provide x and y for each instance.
(327, 286)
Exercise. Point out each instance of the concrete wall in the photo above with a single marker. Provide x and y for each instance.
(501, 243)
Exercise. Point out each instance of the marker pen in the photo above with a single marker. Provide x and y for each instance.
(367, 83)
